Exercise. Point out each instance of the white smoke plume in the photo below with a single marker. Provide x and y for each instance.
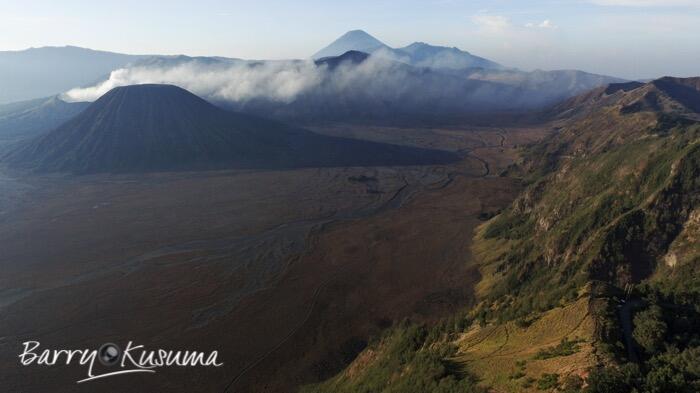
(376, 86)
(238, 82)
(282, 82)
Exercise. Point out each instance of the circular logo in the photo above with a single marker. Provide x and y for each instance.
(109, 354)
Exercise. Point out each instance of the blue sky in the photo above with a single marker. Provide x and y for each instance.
(628, 38)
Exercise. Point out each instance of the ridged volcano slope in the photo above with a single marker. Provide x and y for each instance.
(164, 128)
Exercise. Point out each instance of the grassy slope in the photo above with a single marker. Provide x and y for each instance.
(505, 356)
(409, 358)
(608, 216)
(612, 201)
(600, 213)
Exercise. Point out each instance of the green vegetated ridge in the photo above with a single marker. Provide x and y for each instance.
(608, 233)
(408, 358)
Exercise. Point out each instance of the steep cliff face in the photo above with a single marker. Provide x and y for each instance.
(639, 243)
(610, 193)
(610, 217)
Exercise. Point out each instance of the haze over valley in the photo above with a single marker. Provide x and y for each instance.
(365, 218)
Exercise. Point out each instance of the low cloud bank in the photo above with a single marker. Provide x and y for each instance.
(237, 82)
(278, 81)
(357, 87)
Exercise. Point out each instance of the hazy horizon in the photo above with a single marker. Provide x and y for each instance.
(634, 39)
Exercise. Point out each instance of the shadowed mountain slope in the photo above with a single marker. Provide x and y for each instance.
(351, 57)
(162, 128)
(669, 96)
(28, 119)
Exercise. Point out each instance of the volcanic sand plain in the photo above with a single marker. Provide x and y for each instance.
(286, 273)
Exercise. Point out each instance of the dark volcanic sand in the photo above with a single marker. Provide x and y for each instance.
(286, 273)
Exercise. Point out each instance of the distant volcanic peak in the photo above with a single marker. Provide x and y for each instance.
(360, 37)
(150, 90)
(425, 55)
(132, 128)
(359, 34)
(151, 100)
(151, 128)
(355, 40)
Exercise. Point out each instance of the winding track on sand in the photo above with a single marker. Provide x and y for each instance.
(396, 201)
(469, 153)
(403, 194)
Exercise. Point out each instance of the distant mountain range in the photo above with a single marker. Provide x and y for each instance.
(47, 71)
(421, 54)
(365, 87)
(418, 54)
(165, 128)
(356, 78)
